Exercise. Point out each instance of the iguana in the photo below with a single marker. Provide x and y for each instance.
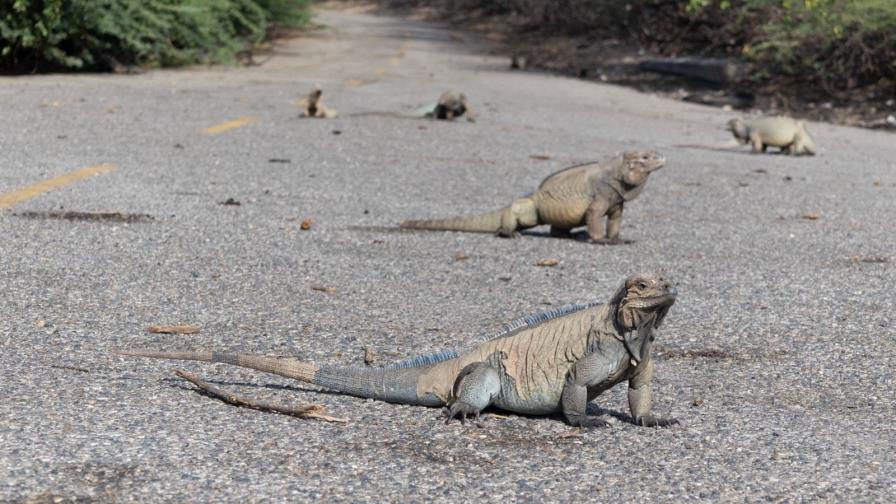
(314, 106)
(572, 197)
(451, 106)
(788, 134)
(448, 107)
(549, 364)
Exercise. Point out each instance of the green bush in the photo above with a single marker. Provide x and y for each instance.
(838, 44)
(89, 34)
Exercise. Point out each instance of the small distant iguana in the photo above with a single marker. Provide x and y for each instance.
(451, 106)
(448, 107)
(314, 106)
(541, 365)
(788, 134)
(572, 197)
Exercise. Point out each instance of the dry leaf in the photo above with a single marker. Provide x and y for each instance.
(697, 402)
(369, 356)
(548, 262)
(540, 157)
(173, 329)
(302, 411)
(811, 216)
(873, 260)
(460, 256)
(306, 224)
(321, 288)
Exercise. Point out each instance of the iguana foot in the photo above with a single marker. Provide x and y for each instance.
(587, 422)
(461, 409)
(652, 421)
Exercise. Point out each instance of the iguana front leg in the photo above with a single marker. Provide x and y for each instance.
(756, 142)
(476, 387)
(640, 398)
(594, 220)
(589, 371)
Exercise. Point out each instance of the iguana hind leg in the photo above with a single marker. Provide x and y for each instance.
(521, 214)
(509, 225)
(476, 387)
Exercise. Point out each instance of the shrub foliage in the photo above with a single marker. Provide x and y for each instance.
(837, 44)
(86, 34)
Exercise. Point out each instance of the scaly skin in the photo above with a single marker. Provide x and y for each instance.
(538, 368)
(572, 197)
(789, 135)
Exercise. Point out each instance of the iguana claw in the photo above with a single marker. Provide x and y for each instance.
(462, 410)
(652, 421)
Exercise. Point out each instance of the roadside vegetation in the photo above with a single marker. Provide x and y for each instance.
(52, 35)
(838, 45)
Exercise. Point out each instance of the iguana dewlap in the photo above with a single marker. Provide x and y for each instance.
(543, 364)
(572, 197)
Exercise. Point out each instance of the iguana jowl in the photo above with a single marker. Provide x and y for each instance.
(572, 197)
(546, 365)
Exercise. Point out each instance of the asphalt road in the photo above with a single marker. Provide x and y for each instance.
(778, 357)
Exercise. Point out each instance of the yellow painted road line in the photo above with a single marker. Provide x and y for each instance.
(229, 125)
(13, 198)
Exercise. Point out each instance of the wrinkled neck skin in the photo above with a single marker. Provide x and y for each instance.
(635, 328)
(623, 186)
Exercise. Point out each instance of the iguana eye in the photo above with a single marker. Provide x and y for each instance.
(642, 285)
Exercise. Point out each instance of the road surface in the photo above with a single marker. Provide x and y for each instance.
(778, 357)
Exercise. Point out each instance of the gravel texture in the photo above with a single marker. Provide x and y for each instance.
(778, 357)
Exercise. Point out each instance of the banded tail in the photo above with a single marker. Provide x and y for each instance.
(385, 384)
(483, 223)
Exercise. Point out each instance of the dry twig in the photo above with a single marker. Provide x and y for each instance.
(314, 411)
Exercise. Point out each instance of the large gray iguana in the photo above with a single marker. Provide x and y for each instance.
(572, 197)
(550, 363)
(788, 134)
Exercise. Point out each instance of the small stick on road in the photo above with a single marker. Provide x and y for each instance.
(304, 411)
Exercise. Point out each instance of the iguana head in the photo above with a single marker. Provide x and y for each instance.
(643, 299)
(737, 127)
(637, 165)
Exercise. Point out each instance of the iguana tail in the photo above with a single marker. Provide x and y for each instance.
(483, 223)
(397, 385)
